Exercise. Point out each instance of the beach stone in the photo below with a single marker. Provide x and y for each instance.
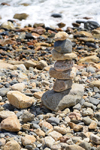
(68, 74)
(55, 135)
(95, 83)
(63, 47)
(41, 64)
(92, 58)
(19, 99)
(94, 101)
(91, 69)
(73, 147)
(95, 139)
(53, 120)
(28, 140)
(8, 25)
(87, 120)
(87, 112)
(0, 98)
(21, 16)
(63, 65)
(18, 86)
(60, 129)
(93, 125)
(97, 116)
(67, 56)
(12, 145)
(4, 114)
(58, 101)
(61, 36)
(2, 142)
(39, 132)
(29, 63)
(11, 124)
(61, 85)
(48, 141)
(27, 116)
(46, 125)
(75, 127)
(85, 145)
(3, 91)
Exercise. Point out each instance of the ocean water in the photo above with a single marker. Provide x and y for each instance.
(40, 11)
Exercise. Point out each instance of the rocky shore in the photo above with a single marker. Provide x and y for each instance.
(25, 61)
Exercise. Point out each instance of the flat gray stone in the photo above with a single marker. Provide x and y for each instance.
(58, 101)
(63, 46)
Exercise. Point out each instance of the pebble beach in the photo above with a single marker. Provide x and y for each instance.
(26, 57)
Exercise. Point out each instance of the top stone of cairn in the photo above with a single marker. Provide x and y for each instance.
(60, 36)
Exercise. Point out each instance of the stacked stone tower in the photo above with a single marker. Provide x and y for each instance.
(62, 69)
(64, 93)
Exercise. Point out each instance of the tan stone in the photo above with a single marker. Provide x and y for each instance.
(95, 83)
(28, 139)
(46, 125)
(11, 124)
(38, 95)
(19, 99)
(75, 127)
(62, 85)
(93, 58)
(26, 126)
(4, 114)
(39, 132)
(18, 86)
(29, 63)
(67, 56)
(93, 125)
(68, 74)
(60, 36)
(63, 65)
(12, 145)
(2, 141)
(84, 33)
(49, 141)
(61, 130)
(56, 135)
(74, 147)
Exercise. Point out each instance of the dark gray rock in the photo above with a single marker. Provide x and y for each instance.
(53, 120)
(63, 46)
(58, 101)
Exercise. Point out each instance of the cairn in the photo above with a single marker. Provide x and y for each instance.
(64, 93)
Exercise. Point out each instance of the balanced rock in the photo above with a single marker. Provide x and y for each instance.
(11, 124)
(60, 36)
(67, 56)
(58, 101)
(63, 65)
(63, 46)
(68, 74)
(62, 85)
(19, 99)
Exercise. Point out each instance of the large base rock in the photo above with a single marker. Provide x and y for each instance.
(58, 101)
